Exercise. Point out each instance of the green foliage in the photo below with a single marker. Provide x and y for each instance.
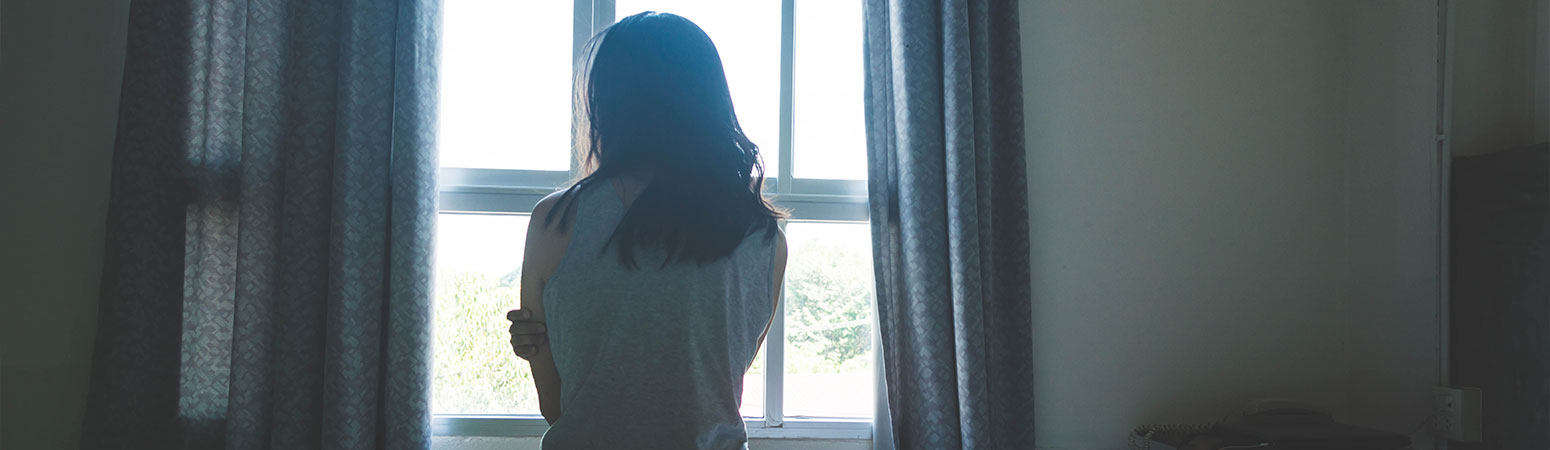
(829, 307)
(476, 371)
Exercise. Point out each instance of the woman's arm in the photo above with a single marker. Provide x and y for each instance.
(541, 255)
(780, 277)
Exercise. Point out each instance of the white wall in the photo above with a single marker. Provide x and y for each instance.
(1495, 86)
(1391, 212)
(1185, 172)
(1188, 173)
(59, 81)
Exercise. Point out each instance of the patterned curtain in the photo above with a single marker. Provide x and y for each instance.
(950, 223)
(267, 273)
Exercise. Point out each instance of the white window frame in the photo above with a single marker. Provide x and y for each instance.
(497, 191)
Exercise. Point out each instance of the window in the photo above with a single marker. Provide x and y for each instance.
(795, 70)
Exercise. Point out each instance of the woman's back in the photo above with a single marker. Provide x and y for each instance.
(651, 356)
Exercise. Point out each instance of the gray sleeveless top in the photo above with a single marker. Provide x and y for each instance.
(651, 357)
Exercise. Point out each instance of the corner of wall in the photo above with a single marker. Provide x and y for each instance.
(63, 71)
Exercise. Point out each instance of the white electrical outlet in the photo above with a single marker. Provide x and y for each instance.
(1456, 413)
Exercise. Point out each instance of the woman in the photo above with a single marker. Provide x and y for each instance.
(647, 286)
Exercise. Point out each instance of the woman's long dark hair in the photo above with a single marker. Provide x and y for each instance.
(652, 98)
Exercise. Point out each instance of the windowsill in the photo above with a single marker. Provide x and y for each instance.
(534, 426)
(533, 443)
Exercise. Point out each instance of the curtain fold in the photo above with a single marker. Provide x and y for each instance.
(949, 212)
(267, 274)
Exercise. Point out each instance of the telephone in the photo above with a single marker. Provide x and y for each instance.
(1269, 424)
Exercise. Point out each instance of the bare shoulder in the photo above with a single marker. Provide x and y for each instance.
(548, 202)
(557, 226)
(554, 216)
(547, 236)
(780, 268)
(780, 241)
(780, 249)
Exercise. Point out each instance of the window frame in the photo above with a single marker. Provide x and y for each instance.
(503, 191)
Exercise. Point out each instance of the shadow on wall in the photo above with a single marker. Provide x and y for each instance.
(1500, 262)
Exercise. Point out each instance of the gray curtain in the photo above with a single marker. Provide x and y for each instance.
(267, 273)
(950, 223)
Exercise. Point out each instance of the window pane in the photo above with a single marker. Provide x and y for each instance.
(505, 84)
(753, 388)
(478, 267)
(747, 34)
(829, 320)
(828, 123)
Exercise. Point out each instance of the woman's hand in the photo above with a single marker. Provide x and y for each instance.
(528, 336)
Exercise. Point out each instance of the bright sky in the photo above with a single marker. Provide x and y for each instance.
(505, 84)
(828, 120)
(505, 80)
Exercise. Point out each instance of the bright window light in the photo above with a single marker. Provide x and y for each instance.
(478, 278)
(829, 320)
(830, 139)
(505, 142)
(505, 84)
